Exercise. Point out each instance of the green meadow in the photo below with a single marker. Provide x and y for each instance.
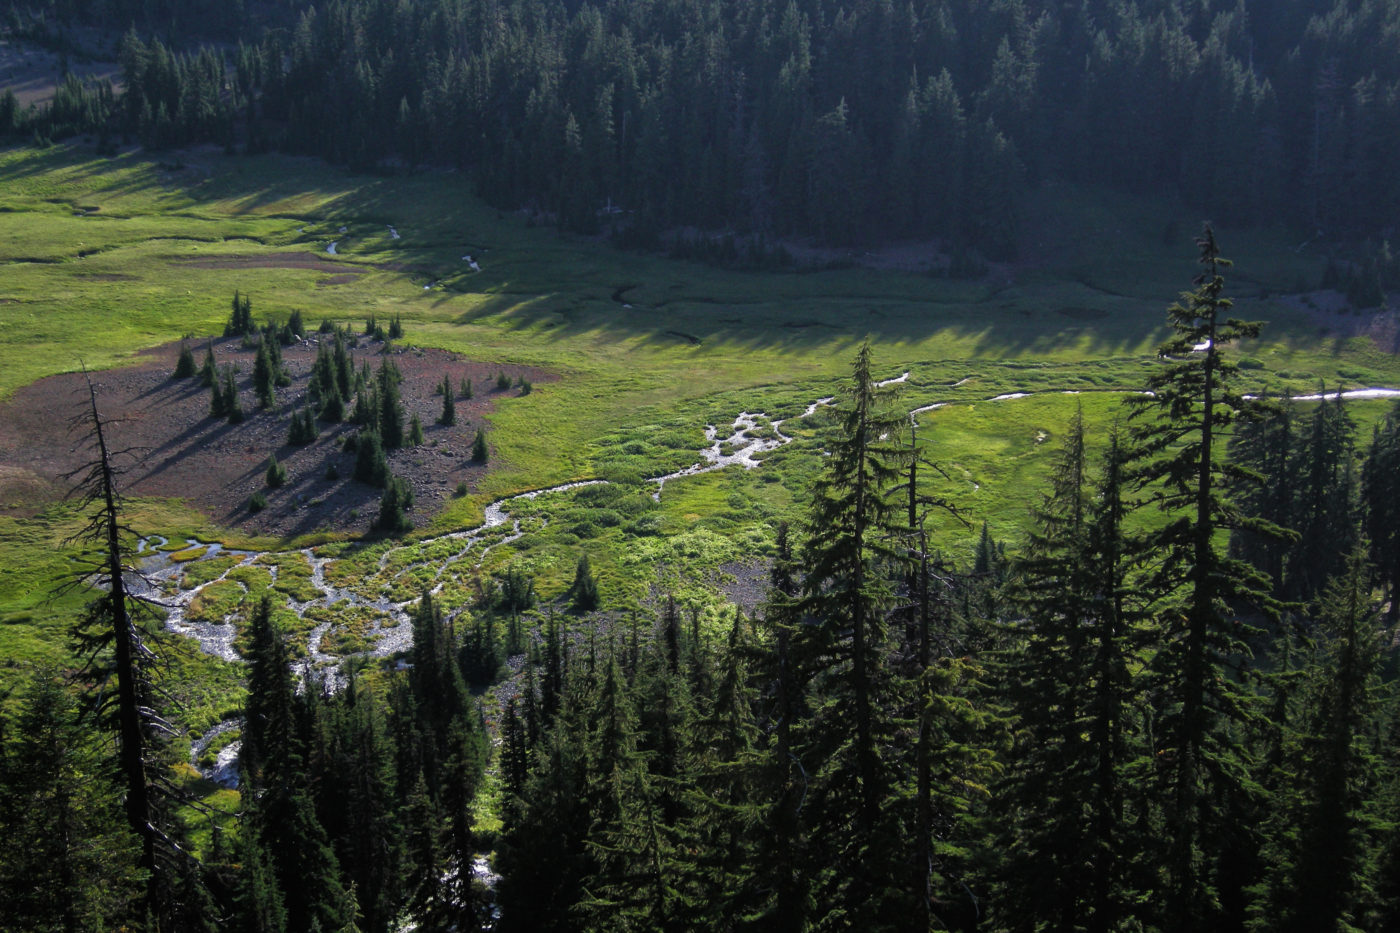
(103, 258)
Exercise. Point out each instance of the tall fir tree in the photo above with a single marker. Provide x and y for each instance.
(1201, 701)
(851, 558)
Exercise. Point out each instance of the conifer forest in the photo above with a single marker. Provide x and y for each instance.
(780, 466)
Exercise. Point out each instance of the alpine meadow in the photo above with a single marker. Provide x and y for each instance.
(782, 466)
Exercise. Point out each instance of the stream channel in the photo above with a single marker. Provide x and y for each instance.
(164, 578)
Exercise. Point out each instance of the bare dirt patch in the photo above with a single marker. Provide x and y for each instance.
(216, 467)
(312, 261)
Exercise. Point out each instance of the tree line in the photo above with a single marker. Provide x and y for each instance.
(850, 122)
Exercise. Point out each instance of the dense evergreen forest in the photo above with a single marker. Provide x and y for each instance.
(1173, 708)
(851, 122)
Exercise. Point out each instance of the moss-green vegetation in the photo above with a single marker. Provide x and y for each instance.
(626, 400)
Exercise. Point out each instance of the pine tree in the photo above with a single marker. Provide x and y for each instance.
(342, 366)
(264, 379)
(185, 365)
(69, 862)
(240, 322)
(1263, 445)
(449, 405)
(257, 897)
(224, 401)
(303, 428)
(208, 372)
(480, 453)
(423, 856)
(356, 798)
(844, 588)
(390, 406)
(1071, 685)
(415, 432)
(276, 475)
(394, 506)
(853, 561)
(1323, 823)
(583, 592)
(282, 813)
(1200, 700)
(268, 719)
(1325, 513)
(371, 465)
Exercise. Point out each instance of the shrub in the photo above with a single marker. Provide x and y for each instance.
(415, 432)
(257, 503)
(502, 382)
(276, 473)
(1249, 362)
(466, 388)
(525, 386)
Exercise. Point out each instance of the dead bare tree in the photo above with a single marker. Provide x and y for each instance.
(118, 662)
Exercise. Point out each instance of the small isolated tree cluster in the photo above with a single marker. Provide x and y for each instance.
(276, 475)
(224, 401)
(333, 378)
(371, 464)
(185, 367)
(379, 407)
(292, 330)
(394, 506)
(303, 430)
(240, 321)
(266, 370)
(377, 331)
(583, 592)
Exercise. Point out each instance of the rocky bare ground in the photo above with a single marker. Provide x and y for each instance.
(176, 449)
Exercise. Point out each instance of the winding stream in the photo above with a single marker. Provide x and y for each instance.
(745, 442)
(751, 436)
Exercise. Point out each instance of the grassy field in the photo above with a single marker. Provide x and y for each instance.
(105, 257)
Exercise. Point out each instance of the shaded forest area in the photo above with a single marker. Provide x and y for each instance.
(850, 122)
